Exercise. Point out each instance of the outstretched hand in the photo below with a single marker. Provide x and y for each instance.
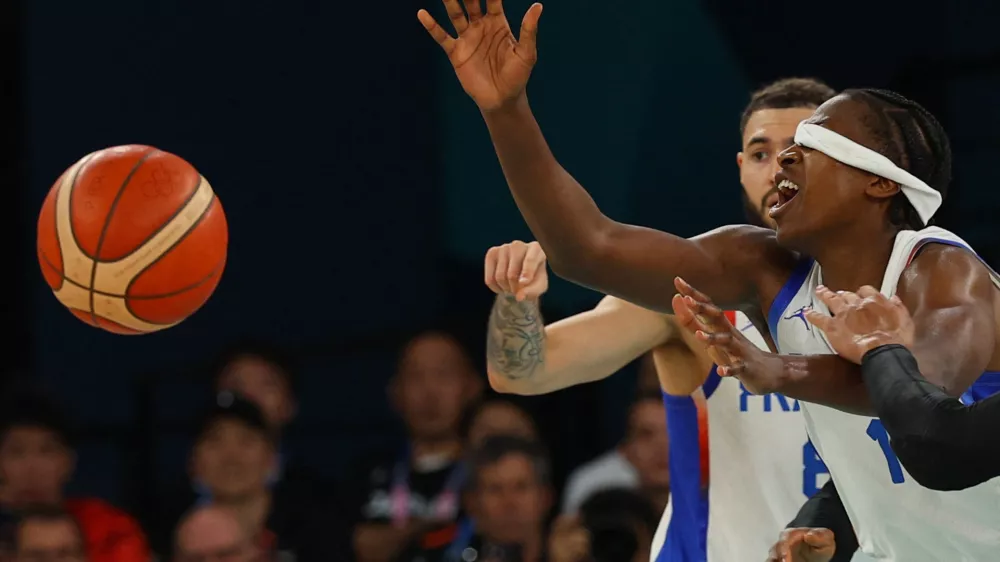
(491, 64)
(803, 545)
(735, 355)
(862, 321)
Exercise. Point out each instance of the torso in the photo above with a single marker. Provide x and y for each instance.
(894, 517)
(762, 469)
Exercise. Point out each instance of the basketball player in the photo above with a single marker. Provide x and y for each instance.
(852, 193)
(526, 357)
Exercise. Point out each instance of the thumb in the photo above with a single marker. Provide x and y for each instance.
(818, 538)
(526, 43)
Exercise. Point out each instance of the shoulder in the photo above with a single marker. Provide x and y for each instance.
(102, 522)
(944, 272)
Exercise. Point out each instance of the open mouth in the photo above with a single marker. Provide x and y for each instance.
(787, 190)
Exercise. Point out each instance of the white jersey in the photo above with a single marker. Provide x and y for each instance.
(762, 469)
(895, 518)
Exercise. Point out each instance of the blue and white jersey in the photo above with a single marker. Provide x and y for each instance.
(895, 518)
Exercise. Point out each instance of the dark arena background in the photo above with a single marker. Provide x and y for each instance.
(362, 192)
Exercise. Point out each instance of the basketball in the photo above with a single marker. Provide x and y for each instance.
(132, 239)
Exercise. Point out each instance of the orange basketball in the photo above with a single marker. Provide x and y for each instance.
(132, 239)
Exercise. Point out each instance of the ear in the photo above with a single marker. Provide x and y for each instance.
(881, 188)
(739, 160)
(69, 466)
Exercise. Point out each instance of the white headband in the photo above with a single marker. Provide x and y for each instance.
(924, 199)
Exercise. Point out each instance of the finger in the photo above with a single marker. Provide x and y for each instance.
(682, 313)
(456, 15)
(721, 340)
(869, 292)
(833, 301)
(818, 319)
(852, 299)
(474, 8)
(533, 258)
(527, 42)
(818, 538)
(494, 7)
(736, 369)
(686, 289)
(709, 315)
(490, 269)
(518, 251)
(446, 41)
(503, 259)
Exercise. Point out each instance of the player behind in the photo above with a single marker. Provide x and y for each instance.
(868, 170)
(765, 436)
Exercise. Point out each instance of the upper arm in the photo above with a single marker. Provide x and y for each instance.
(597, 343)
(639, 264)
(949, 294)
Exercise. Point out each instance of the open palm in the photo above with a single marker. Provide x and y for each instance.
(492, 66)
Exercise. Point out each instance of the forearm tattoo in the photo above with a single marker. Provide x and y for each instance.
(515, 341)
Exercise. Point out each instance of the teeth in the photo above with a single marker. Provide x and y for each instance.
(787, 184)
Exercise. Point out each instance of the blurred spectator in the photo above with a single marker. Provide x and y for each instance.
(414, 492)
(498, 416)
(212, 533)
(648, 379)
(614, 525)
(508, 499)
(44, 534)
(233, 457)
(37, 461)
(641, 461)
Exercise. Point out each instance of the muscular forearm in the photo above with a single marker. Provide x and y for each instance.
(515, 345)
(829, 380)
(943, 444)
(826, 510)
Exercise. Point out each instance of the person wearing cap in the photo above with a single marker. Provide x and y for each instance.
(37, 460)
(232, 457)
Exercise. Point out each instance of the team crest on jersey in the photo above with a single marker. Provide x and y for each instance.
(801, 315)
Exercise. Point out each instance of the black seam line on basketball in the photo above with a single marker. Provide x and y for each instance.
(107, 223)
(174, 293)
(72, 190)
(160, 228)
(184, 236)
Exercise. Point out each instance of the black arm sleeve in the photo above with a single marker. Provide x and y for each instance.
(826, 510)
(944, 444)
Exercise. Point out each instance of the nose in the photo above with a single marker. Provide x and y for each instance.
(789, 156)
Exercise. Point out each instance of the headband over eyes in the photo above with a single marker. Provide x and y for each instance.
(925, 199)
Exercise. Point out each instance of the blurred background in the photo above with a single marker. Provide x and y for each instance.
(362, 192)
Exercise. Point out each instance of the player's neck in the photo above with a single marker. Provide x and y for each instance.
(849, 266)
(251, 509)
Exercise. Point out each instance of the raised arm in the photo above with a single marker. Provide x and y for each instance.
(524, 356)
(636, 264)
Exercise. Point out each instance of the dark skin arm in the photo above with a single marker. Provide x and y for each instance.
(949, 294)
(735, 265)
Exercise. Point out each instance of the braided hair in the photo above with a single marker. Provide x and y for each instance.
(914, 140)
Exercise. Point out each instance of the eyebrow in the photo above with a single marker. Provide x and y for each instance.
(758, 140)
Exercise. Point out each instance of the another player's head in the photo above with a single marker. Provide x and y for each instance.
(767, 128)
(831, 192)
(433, 385)
(262, 373)
(498, 416)
(36, 456)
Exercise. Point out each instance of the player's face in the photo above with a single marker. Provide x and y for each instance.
(823, 194)
(647, 447)
(509, 502)
(768, 133)
(264, 384)
(433, 387)
(233, 459)
(500, 419)
(34, 466)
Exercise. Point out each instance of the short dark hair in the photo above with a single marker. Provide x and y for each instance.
(786, 94)
(42, 513)
(473, 410)
(34, 408)
(267, 352)
(497, 447)
(913, 139)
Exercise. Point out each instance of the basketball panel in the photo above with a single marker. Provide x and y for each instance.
(157, 192)
(172, 309)
(49, 254)
(93, 191)
(103, 323)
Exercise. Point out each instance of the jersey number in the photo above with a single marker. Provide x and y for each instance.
(878, 434)
(812, 467)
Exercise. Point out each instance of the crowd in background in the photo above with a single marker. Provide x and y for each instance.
(474, 480)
